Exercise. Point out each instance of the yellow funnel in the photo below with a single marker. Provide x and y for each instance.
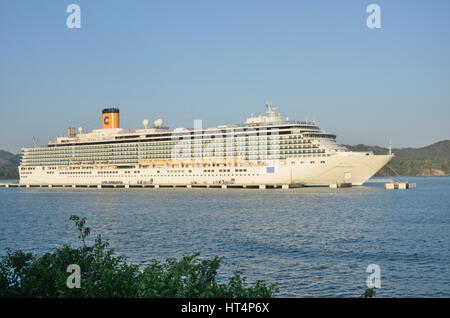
(110, 118)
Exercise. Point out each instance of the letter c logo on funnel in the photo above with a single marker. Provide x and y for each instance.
(106, 120)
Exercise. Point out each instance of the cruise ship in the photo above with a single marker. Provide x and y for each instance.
(266, 150)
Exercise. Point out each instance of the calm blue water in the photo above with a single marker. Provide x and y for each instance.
(313, 242)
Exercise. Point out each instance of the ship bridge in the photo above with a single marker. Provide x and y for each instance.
(273, 117)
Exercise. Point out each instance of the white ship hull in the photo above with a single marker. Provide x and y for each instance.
(345, 167)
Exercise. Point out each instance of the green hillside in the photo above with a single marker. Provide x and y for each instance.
(433, 160)
(8, 165)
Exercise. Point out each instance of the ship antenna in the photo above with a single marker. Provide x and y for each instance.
(271, 110)
(390, 147)
(35, 141)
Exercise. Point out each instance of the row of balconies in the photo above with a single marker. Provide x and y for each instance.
(250, 146)
(162, 156)
(112, 161)
(169, 142)
(134, 154)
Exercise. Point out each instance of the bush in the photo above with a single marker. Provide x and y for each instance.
(104, 274)
(190, 277)
(369, 293)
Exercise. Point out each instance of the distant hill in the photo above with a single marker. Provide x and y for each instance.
(433, 160)
(8, 165)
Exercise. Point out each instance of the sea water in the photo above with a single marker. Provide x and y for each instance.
(314, 242)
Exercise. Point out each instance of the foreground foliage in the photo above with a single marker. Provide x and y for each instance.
(104, 274)
(369, 293)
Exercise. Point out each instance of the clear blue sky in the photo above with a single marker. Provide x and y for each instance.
(221, 60)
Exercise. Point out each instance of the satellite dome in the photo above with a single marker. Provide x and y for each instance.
(158, 123)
